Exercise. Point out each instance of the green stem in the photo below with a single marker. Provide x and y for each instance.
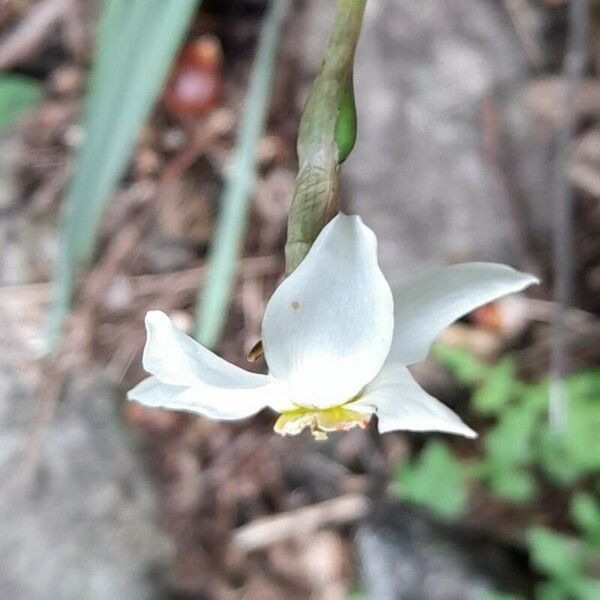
(326, 135)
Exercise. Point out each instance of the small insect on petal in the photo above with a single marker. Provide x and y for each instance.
(256, 352)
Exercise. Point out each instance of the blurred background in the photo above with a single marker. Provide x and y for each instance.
(126, 128)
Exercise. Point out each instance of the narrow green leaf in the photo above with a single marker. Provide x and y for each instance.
(214, 298)
(17, 94)
(137, 40)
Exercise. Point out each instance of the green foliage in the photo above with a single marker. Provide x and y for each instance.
(498, 388)
(509, 450)
(554, 554)
(565, 562)
(587, 588)
(17, 95)
(575, 453)
(585, 513)
(136, 43)
(510, 483)
(435, 480)
(520, 439)
(214, 298)
(465, 368)
(517, 447)
(583, 420)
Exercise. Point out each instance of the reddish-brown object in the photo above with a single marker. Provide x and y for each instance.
(489, 316)
(196, 81)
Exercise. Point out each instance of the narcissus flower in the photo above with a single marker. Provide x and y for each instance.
(336, 343)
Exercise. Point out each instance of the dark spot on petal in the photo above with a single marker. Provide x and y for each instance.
(295, 305)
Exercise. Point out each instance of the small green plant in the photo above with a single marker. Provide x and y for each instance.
(520, 440)
(467, 369)
(17, 95)
(509, 446)
(434, 480)
(520, 444)
(575, 453)
(520, 453)
(566, 561)
(498, 387)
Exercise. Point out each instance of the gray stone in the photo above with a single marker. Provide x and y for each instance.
(80, 523)
(421, 174)
(405, 556)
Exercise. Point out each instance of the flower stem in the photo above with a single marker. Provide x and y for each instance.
(326, 135)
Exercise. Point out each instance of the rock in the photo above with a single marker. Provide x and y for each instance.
(405, 556)
(431, 82)
(419, 173)
(82, 523)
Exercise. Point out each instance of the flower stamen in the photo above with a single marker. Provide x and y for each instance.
(321, 421)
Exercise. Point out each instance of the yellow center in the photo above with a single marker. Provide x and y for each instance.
(321, 421)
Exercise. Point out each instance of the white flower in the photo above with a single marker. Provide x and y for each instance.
(336, 346)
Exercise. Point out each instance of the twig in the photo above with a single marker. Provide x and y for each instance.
(545, 310)
(217, 124)
(188, 279)
(32, 293)
(25, 38)
(573, 70)
(518, 232)
(184, 280)
(53, 386)
(264, 532)
(518, 12)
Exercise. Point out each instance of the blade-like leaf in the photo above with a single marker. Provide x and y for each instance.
(214, 298)
(137, 40)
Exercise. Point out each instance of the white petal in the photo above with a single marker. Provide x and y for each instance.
(189, 377)
(426, 305)
(328, 327)
(177, 359)
(215, 403)
(401, 404)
